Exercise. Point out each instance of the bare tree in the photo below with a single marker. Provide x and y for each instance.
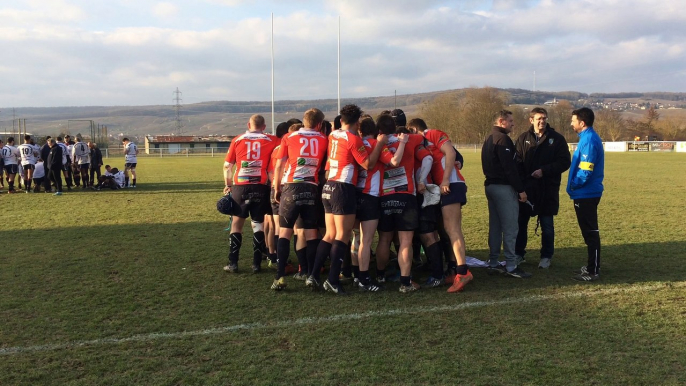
(609, 124)
(672, 129)
(560, 118)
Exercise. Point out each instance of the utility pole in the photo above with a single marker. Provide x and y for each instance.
(177, 107)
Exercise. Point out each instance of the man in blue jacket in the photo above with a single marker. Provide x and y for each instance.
(585, 187)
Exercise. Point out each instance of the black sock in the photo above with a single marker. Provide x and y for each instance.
(236, 239)
(380, 273)
(11, 185)
(126, 181)
(272, 257)
(134, 182)
(28, 185)
(276, 242)
(323, 250)
(347, 264)
(283, 247)
(295, 242)
(364, 277)
(405, 280)
(434, 255)
(417, 249)
(338, 249)
(356, 271)
(257, 248)
(462, 269)
(311, 255)
(301, 254)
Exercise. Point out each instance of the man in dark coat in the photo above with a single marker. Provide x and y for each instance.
(54, 164)
(545, 156)
(96, 163)
(44, 153)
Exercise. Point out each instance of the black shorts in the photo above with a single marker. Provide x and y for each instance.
(252, 200)
(339, 198)
(298, 199)
(398, 213)
(66, 167)
(84, 166)
(130, 165)
(11, 168)
(321, 221)
(29, 167)
(274, 204)
(458, 193)
(428, 217)
(368, 207)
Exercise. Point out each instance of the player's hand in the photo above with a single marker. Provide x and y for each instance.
(227, 190)
(403, 137)
(421, 188)
(458, 165)
(382, 139)
(445, 188)
(522, 197)
(277, 196)
(537, 173)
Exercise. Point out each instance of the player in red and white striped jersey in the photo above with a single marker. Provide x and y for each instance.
(250, 154)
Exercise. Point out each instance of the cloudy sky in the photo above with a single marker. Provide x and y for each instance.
(136, 52)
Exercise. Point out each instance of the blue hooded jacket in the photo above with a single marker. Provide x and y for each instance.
(588, 167)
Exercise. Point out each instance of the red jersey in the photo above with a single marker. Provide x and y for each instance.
(435, 139)
(272, 160)
(346, 153)
(370, 181)
(250, 153)
(305, 150)
(400, 179)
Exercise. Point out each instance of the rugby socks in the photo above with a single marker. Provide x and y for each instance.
(434, 255)
(323, 251)
(77, 179)
(126, 181)
(364, 277)
(283, 247)
(301, 254)
(380, 273)
(462, 269)
(236, 239)
(356, 271)
(405, 280)
(11, 185)
(347, 264)
(338, 249)
(311, 255)
(28, 185)
(257, 247)
(272, 256)
(134, 182)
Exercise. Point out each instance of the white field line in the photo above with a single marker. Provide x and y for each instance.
(595, 291)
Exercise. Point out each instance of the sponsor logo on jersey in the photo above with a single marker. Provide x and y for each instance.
(302, 161)
(251, 164)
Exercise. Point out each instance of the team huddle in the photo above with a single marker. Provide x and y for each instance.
(77, 161)
(333, 188)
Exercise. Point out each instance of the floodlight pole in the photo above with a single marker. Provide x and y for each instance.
(273, 127)
(339, 64)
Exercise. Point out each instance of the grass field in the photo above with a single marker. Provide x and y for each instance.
(126, 287)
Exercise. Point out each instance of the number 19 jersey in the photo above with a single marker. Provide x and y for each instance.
(250, 153)
(305, 150)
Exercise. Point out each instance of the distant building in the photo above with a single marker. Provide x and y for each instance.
(173, 144)
(553, 102)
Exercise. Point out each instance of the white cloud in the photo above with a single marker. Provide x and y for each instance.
(164, 10)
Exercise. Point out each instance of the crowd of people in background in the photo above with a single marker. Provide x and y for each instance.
(331, 187)
(35, 168)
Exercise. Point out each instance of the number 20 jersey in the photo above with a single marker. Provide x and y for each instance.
(250, 153)
(305, 150)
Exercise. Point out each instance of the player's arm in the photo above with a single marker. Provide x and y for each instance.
(276, 181)
(449, 154)
(376, 152)
(398, 156)
(360, 153)
(586, 166)
(228, 176)
(424, 171)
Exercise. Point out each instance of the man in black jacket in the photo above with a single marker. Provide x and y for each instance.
(96, 163)
(503, 189)
(545, 156)
(54, 164)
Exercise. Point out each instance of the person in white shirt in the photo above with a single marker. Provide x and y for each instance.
(81, 155)
(131, 160)
(119, 178)
(66, 164)
(10, 157)
(28, 154)
(38, 175)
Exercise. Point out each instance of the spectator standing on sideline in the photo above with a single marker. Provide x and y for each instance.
(55, 165)
(585, 187)
(96, 163)
(545, 156)
(503, 189)
(44, 152)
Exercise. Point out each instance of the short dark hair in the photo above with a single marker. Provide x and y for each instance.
(502, 114)
(48, 137)
(124, 139)
(385, 124)
(10, 139)
(418, 124)
(350, 114)
(585, 115)
(282, 129)
(27, 137)
(368, 127)
(326, 128)
(399, 117)
(538, 110)
(337, 122)
(107, 166)
(402, 130)
(293, 121)
(59, 139)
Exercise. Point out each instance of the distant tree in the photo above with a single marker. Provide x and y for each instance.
(672, 129)
(609, 124)
(521, 118)
(560, 118)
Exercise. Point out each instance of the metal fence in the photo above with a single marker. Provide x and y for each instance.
(161, 153)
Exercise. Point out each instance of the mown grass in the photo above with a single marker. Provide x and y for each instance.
(93, 266)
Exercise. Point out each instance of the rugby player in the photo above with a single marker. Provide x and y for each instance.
(131, 160)
(250, 154)
(446, 171)
(301, 155)
(10, 157)
(81, 155)
(399, 210)
(66, 165)
(29, 155)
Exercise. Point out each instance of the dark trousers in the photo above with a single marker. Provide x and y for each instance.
(547, 233)
(56, 177)
(47, 181)
(94, 171)
(587, 216)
